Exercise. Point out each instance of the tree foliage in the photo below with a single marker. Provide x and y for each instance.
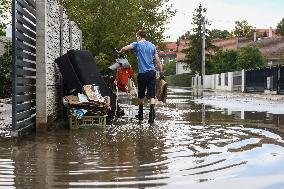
(169, 68)
(108, 23)
(5, 72)
(243, 29)
(5, 15)
(280, 27)
(194, 52)
(250, 57)
(219, 34)
(225, 61)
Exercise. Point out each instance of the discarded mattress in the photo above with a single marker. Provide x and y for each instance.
(78, 68)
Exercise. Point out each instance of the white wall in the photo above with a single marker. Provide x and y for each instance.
(209, 82)
(223, 86)
(196, 82)
(212, 82)
(243, 80)
(180, 68)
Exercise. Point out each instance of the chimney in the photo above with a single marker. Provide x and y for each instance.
(270, 32)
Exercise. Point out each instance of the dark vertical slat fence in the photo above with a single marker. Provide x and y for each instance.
(264, 79)
(281, 80)
(24, 65)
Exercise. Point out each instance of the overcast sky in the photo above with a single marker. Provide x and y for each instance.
(224, 13)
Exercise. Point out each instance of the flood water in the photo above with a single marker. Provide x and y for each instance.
(191, 145)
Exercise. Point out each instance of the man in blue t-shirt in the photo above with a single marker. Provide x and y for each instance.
(147, 57)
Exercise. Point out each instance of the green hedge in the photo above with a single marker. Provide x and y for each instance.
(182, 80)
(5, 75)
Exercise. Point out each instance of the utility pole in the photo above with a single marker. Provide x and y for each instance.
(203, 49)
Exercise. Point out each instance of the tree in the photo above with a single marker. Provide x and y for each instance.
(280, 27)
(5, 15)
(169, 68)
(219, 34)
(250, 57)
(5, 72)
(194, 52)
(243, 29)
(225, 61)
(107, 23)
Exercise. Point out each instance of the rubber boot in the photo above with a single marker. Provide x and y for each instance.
(152, 114)
(140, 113)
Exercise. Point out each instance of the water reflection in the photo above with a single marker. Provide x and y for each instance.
(190, 146)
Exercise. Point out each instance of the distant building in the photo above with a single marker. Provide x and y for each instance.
(267, 33)
(169, 54)
(269, 43)
(182, 65)
(271, 47)
(175, 53)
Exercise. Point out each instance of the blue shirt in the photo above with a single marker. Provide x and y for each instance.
(145, 53)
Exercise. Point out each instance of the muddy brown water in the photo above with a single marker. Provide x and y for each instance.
(189, 146)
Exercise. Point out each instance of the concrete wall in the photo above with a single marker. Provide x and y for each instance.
(209, 82)
(213, 82)
(196, 82)
(56, 34)
(226, 81)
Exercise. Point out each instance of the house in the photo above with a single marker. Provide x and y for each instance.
(174, 53)
(272, 48)
(271, 33)
(169, 54)
(181, 65)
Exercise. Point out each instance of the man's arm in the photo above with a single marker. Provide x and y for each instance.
(158, 63)
(126, 48)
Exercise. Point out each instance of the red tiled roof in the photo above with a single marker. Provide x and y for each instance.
(171, 46)
(271, 48)
(229, 43)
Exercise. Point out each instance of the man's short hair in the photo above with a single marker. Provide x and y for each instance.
(142, 33)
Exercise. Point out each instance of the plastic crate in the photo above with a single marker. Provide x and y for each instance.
(87, 122)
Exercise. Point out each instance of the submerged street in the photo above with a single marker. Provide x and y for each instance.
(198, 141)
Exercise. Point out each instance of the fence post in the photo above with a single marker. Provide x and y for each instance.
(230, 81)
(41, 80)
(243, 80)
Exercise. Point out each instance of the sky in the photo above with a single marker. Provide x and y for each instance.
(223, 14)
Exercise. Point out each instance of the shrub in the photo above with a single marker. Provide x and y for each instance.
(5, 73)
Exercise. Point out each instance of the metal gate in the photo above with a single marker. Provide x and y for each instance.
(24, 66)
(261, 79)
(254, 81)
(281, 80)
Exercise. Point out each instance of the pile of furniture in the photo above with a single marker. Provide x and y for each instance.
(87, 109)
